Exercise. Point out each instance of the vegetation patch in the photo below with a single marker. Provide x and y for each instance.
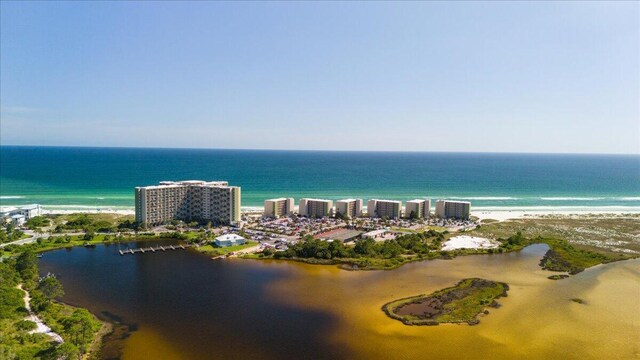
(212, 250)
(564, 257)
(610, 234)
(461, 303)
(366, 254)
(77, 327)
(558, 277)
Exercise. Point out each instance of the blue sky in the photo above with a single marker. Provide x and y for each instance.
(464, 76)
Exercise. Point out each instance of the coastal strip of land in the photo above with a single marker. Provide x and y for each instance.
(576, 242)
(34, 324)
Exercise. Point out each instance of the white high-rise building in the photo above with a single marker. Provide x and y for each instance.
(453, 209)
(384, 208)
(419, 207)
(349, 207)
(192, 200)
(278, 207)
(315, 208)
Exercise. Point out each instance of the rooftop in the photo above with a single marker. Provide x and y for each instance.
(456, 201)
(310, 199)
(229, 237)
(174, 184)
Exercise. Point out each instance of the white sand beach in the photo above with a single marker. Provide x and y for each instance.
(495, 213)
(536, 212)
(468, 242)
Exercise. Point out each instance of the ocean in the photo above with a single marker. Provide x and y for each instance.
(104, 178)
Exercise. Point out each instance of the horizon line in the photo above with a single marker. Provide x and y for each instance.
(321, 150)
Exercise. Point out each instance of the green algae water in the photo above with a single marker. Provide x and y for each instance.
(103, 178)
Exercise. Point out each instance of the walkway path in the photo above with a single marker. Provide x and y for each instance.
(41, 327)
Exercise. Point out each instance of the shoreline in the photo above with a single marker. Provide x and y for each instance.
(494, 213)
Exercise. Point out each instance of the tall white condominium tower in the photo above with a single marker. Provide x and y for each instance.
(381, 208)
(349, 207)
(419, 207)
(278, 207)
(453, 209)
(192, 200)
(315, 208)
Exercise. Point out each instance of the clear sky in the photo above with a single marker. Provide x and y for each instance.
(464, 76)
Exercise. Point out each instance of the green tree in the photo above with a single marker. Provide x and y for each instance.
(365, 247)
(26, 325)
(88, 236)
(104, 226)
(27, 266)
(79, 326)
(39, 302)
(67, 351)
(51, 288)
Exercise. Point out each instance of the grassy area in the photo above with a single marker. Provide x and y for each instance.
(457, 304)
(211, 250)
(562, 256)
(611, 234)
(576, 243)
(110, 217)
(102, 222)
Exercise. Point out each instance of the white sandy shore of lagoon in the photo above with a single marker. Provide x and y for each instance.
(469, 242)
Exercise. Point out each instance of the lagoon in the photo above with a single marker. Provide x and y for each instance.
(182, 305)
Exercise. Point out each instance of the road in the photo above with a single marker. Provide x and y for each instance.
(34, 237)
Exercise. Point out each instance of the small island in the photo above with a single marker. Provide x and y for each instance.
(457, 304)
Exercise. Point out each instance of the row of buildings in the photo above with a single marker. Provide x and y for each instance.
(392, 209)
(219, 203)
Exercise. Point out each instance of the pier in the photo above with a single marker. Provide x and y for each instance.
(153, 249)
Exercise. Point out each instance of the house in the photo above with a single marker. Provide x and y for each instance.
(18, 220)
(229, 240)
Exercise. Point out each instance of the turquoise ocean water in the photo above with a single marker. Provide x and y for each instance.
(92, 178)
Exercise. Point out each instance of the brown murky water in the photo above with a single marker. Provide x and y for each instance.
(185, 306)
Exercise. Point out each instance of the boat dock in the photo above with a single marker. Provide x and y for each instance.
(153, 249)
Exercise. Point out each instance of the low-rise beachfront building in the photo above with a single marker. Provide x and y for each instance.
(419, 208)
(375, 234)
(30, 211)
(19, 215)
(18, 220)
(446, 209)
(315, 208)
(192, 200)
(229, 240)
(349, 207)
(391, 209)
(278, 207)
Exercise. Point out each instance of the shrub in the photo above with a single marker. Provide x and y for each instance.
(26, 325)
